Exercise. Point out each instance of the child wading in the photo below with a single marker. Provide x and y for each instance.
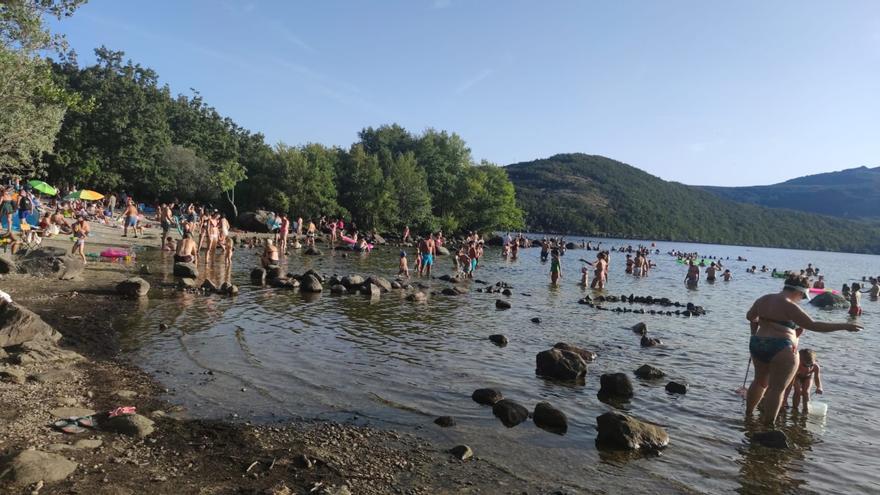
(807, 371)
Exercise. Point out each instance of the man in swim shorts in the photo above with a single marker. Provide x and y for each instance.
(427, 248)
(186, 250)
(131, 218)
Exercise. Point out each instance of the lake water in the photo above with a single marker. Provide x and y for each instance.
(393, 363)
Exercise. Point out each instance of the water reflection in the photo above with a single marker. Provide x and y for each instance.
(395, 362)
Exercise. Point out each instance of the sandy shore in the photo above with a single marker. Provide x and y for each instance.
(185, 455)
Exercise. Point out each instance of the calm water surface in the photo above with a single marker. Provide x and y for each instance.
(394, 363)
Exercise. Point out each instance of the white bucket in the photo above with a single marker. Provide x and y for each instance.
(817, 408)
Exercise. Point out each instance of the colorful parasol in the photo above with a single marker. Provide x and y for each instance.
(85, 194)
(42, 187)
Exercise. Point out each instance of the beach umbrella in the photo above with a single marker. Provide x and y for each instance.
(85, 194)
(42, 187)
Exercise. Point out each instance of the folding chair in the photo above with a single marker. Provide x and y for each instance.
(30, 237)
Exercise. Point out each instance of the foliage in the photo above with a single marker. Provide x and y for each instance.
(587, 194)
(853, 193)
(31, 103)
(137, 137)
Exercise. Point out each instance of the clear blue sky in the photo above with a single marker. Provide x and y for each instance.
(702, 92)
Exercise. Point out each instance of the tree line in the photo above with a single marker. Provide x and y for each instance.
(112, 126)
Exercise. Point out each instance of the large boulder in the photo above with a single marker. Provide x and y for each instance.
(442, 251)
(254, 221)
(34, 466)
(560, 364)
(371, 290)
(827, 300)
(621, 432)
(549, 418)
(509, 412)
(310, 283)
(19, 325)
(133, 287)
(588, 356)
(7, 265)
(46, 252)
(615, 386)
(186, 270)
(313, 251)
(497, 241)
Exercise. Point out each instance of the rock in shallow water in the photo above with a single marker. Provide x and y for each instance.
(648, 372)
(445, 421)
(549, 418)
(622, 432)
(498, 339)
(773, 439)
(462, 452)
(500, 304)
(677, 388)
(486, 396)
(560, 364)
(509, 412)
(615, 385)
(133, 287)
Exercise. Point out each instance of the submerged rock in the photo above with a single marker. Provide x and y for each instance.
(549, 418)
(677, 388)
(486, 396)
(615, 385)
(445, 421)
(501, 304)
(649, 372)
(588, 356)
(623, 432)
(498, 339)
(640, 328)
(773, 439)
(258, 276)
(310, 283)
(509, 412)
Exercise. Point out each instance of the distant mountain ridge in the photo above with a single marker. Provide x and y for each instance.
(589, 194)
(851, 193)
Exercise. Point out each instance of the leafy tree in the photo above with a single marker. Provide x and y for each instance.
(226, 176)
(31, 103)
(409, 187)
(363, 192)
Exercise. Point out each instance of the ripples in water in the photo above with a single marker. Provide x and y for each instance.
(392, 362)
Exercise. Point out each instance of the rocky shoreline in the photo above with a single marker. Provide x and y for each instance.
(161, 448)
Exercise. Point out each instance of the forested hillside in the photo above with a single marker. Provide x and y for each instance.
(578, 193)
(852, 193)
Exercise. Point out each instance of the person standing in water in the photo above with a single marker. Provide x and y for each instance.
(775, 320)
(693, 275)
(600, 271)
(710, 272)
(555, 267)
(855, 300)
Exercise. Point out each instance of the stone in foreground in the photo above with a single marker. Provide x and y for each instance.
(618, 431)
(33, 466)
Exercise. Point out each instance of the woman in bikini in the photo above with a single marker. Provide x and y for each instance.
(213, 235)
(776, 322)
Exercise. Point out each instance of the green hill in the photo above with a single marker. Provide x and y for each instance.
(589, 194)
(852, 193)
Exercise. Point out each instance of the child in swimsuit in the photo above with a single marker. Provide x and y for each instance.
(402, 267)
(807, 371)
(855, 300)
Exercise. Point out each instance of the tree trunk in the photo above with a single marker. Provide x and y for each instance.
(231, 199)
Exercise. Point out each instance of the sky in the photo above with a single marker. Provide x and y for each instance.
(697, 91)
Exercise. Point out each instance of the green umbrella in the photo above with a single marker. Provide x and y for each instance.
(41, 186)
